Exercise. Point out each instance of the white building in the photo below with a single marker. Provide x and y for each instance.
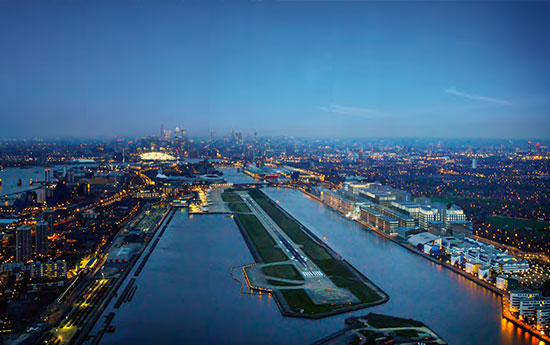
(428, 215)
(528, 306)
(518, 295)
(454, 214)
(543, 317)
(502, 282)
(50, 269)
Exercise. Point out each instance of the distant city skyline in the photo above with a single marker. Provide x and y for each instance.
(341, 69)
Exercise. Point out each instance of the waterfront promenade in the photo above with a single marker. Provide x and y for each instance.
(502, 294)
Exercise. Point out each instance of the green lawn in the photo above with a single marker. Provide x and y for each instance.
(384, 321)
(370, 336)
(280, 283)
(298, 299)
(231, 197)
(406, 333)
(286, 271)
(238, 207)
(290, 227)
(337, 270)
(518, 224)
(260, 238)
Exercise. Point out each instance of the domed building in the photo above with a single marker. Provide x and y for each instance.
(156, 156)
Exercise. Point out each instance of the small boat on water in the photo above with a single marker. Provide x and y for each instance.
(19, 182)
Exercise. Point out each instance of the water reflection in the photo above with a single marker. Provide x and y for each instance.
(457, 308)
(186, 293)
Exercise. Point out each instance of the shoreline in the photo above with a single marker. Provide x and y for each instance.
(280, 300)
(85, 332)
(528, 328)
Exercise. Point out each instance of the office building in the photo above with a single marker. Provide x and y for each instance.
(23, 243)
(427, 215)
(543, 317)
(49, 216)
(517, 296)
(41, 239)
(528, 306)
(454, 215)
(49, 269)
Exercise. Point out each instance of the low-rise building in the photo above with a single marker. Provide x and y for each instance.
(457, 259)
(516, 296)
(543, 317)
(528, 307)
(472, 268)
(49, 269)
(485, 272)
(423, 238)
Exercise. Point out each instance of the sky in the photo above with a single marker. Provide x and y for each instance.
(300, 68)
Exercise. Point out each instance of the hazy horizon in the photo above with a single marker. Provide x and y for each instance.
(311, 69)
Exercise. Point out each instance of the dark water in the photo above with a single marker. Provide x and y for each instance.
(459, 310)
(10, 176)
(231, 175)
(186, 294)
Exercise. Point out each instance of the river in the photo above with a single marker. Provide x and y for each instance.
(10, 176)
(186, 293)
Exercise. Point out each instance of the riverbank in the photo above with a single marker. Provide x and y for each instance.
(502, 294)
(83, 335)
(329, 280)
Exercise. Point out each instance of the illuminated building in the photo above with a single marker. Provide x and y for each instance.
(528, 306)
(518, 295)
(543, 317)
(23, 243)
(427, 215)
(41, 244)
(49, 216)
(49, 269)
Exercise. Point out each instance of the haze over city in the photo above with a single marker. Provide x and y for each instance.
(274, 172)
(301, 68)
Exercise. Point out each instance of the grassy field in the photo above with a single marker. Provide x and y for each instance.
(518, 224)
(231, 197)
(384, 321)
(260, 238)
(370, 336)
(238, 207)
(279, 283)
(337, 270)
(285, 271)
(290, 227)
(264, 244)
(234, 202)
(298, 300)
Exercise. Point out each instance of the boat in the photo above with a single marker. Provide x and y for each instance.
(19, 182)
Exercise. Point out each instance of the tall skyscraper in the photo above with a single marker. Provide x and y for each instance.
(49, 216)
(474, 163)
(41, 245)
(23, 243)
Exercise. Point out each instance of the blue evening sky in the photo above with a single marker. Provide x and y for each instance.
(311, 68)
